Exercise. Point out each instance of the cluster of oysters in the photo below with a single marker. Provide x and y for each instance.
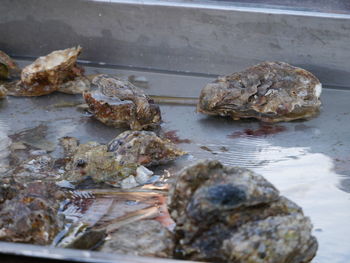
(219, 213)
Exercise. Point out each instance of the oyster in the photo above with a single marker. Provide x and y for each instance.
(46, 74)
(92, 159)
(269, 91)
(119, 103)
(246, 220)
(141, 238)
(143, 147)
(8, 68)
(30, 215)
(3, 92)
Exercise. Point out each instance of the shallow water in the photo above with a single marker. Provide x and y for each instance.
(308, 161)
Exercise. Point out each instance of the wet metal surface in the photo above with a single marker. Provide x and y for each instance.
(309, 161)
(212, 37)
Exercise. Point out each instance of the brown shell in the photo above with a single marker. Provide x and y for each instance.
(143, 148)
(231, 214)
(119, 103)
(269, 91)
(3, 92)
(8, 68)
(46, 74)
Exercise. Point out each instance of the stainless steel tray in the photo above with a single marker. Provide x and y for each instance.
(177, 47)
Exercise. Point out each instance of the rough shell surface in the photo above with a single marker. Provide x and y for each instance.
(8, 68)
(46, 74)
(246, 220)
(141, 238)
(92, 159)
(3, 92)
(30, 216)
(119, 103)
(143, 147)
(269, 91)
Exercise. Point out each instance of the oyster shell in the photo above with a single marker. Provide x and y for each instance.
(119, 103)
(46, 74)
(30, 215)
(143, 148)
(269, 91)
(8, 68)
(92, 159)
(246, 220)
(141, 238)
(3, 92)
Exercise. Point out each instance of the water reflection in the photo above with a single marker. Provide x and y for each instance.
(311, 182)
(307, 178)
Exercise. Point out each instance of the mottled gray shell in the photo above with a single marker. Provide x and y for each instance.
(269, 91)
(230, 214)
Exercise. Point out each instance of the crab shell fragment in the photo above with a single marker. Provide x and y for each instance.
(47, 73)
(269, 91)
(119, 103)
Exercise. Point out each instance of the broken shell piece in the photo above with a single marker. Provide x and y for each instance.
(3, 92)
(269, 91)
(143, 174)
(246, 220)
(46, 74)
(143, 147)
(128, 182)
(119, 103)
(78, 85)
(8, 68)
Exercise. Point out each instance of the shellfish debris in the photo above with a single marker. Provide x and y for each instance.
(269, 91)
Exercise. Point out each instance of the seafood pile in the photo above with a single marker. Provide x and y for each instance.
(108, 197)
